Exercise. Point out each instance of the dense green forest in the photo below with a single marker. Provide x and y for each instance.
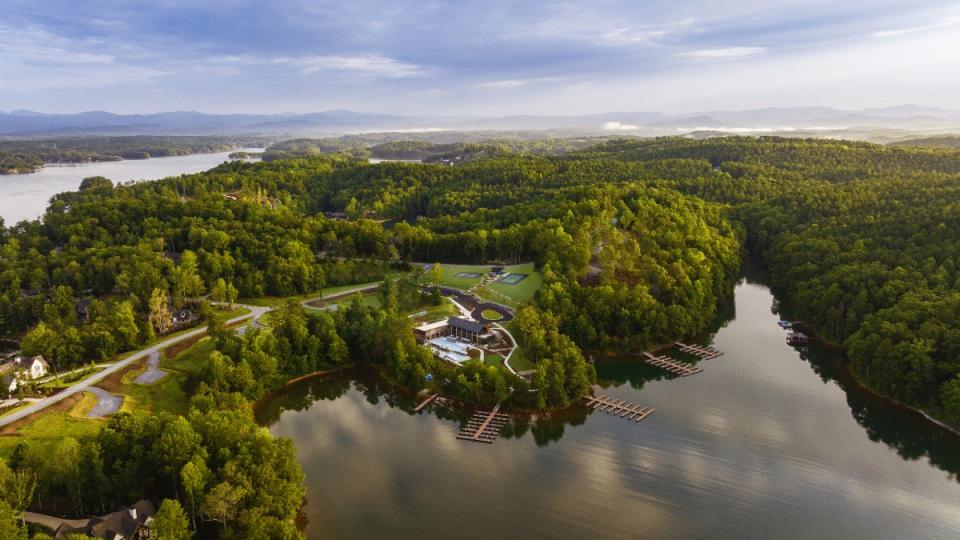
(384, 146)
(28, 155)
(638, 242)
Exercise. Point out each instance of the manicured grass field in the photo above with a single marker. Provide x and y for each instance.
(525, 289)
(519, 293)
(520, 362)
(491, 315)
(493, 360)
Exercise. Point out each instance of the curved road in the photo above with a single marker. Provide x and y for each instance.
(84, 385)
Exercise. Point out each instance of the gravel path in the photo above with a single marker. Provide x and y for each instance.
(107, 403)
(153, 373)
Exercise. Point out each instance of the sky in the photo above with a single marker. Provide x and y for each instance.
(476, 58)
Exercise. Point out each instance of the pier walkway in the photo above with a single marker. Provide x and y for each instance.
(669, 364)
(484, 426)
(619, 407)
(703, 352)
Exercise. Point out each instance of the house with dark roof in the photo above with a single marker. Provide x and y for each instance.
(127, 523)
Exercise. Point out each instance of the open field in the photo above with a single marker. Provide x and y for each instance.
(458, 276)
(523, 290)
(46, 430)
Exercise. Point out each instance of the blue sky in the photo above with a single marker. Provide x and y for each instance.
(473, 58)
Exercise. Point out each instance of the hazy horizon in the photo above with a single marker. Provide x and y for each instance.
(476, 59)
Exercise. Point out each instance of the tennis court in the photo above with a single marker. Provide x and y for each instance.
(513, 279)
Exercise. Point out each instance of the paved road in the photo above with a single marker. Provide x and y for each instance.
(86, 384)
(340, 294)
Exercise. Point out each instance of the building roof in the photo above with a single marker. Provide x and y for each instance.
(426, 327)
(466, 324)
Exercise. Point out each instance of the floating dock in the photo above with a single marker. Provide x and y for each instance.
(703, 352)
(425, 402)
(669, 364)
(619, 407)
(484, 426)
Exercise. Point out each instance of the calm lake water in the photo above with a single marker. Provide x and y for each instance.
(26, 196)
(767, 442)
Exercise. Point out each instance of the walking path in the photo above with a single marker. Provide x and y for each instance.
(89, 382)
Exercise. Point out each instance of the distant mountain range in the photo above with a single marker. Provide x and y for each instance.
(768, 120)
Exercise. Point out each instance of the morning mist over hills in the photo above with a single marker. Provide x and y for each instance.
(871, 124)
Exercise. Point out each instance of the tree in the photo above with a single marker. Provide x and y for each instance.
(220, 504)
(435, 274)
(96, 183)
(194, 477)
(10, 528)
(170, 522)
(185, 279)
(160, 316)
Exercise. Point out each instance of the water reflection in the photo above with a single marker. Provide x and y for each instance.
(761, 444)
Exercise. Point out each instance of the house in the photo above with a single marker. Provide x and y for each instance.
(20, 369)
(459, 327)
(127, 523)
(32, 368)
(183, 316)
(428, 331)
(466, 329)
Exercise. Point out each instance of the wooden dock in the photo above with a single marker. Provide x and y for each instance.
(619, 407)
(703, 352)
(484, 426)
(425, 402)
(669, 364)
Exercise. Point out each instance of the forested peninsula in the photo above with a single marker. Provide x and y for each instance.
(638, 243)
(19, 156)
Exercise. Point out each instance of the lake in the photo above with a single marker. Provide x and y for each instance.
(767, 442)
(26, 196)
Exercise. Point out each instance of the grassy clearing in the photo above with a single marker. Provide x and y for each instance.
(519, 360)
(433, 313)
(493, 360)
(511, 294)
(66, 419)
(491, 315)
(523, 291)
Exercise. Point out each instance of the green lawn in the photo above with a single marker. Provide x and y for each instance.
(512, 294)
(46, 432)
(523, 291)
(519, 361)
(493, 360)
(491, 315)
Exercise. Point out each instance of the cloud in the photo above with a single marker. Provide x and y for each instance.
(631, 35)
(617, 126)
(516, 83)
(724, 53)
(948, 21)
(380, 66)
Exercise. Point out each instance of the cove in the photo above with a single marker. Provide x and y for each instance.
(768, 442)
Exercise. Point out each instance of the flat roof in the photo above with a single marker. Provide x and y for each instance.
(432, 326)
